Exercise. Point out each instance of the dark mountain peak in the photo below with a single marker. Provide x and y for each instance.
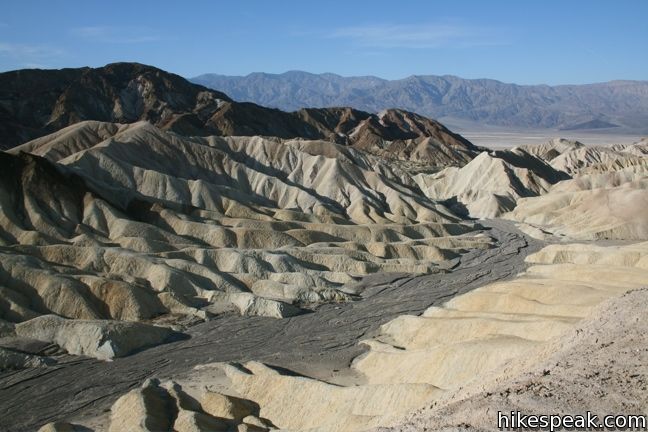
(131, 92)
(339, 120)
(122, 74)
(411, 125)
(37, 102)
(128, 68)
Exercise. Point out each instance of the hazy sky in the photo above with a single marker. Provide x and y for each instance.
(553, 42)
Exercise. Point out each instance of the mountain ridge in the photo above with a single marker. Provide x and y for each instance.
(35, 103)
(377, 78)
(447, 97)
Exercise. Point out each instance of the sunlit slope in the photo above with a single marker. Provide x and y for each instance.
(131, 222)
(416, 360)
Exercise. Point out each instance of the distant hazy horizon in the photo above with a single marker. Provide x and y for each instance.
(403, 77)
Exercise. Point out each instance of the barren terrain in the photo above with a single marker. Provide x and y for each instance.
(314, 344)
(197, 264)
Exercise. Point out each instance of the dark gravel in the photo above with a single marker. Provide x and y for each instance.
(79, 387)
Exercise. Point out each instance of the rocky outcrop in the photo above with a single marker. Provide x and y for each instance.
(228, 407)
(149, 408)
(159, 407)
(101, 339)
(10, 359)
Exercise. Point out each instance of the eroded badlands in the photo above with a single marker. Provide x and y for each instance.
(257, 283)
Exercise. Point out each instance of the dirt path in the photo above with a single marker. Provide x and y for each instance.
(327, 337)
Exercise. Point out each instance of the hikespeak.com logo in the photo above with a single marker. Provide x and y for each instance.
(515, 420)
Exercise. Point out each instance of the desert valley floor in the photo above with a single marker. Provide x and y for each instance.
(191, 263)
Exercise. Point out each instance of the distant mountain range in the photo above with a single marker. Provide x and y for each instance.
(453, 100)
(36, 102)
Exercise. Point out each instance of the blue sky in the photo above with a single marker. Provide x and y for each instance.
(527, 42)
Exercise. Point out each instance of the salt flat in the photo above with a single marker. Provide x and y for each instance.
(514, 138)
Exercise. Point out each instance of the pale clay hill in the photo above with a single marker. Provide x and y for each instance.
(505, 345)
(118, 237)
(127, 222)
(347, 218)
(607, 199)
(492, 183)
